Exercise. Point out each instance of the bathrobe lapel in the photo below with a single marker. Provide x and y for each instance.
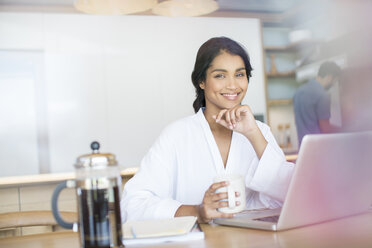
(213, 148)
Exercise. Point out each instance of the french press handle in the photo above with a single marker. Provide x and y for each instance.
(56, 214)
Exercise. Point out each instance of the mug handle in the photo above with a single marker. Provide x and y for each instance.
(231, 196)
(56, 214)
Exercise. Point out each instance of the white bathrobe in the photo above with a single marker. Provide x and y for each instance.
(182, 163)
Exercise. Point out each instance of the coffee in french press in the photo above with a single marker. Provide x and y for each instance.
(97, 186)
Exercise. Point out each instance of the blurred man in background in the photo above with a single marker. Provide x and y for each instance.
(312, 103)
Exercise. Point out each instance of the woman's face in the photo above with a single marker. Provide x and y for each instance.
(226, 82)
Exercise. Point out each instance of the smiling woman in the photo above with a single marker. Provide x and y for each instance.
(238, 67)
(226, 82)
(176, 176)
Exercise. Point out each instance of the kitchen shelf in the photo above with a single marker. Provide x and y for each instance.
(292, 47)
(280, 102)
(281, 74)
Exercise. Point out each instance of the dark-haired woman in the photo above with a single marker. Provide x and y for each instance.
(176, 175)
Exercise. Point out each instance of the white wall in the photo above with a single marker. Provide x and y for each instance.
(18, 117)
(121, 79)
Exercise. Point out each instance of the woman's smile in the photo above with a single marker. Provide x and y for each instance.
(231, 96)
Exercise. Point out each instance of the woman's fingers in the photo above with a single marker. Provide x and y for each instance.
(221, 204)
(238, 114)
(228, 119)
(209, 209)
(217, 185)
(218, 204)
(242, 111)
(212, 201)
(223, 118)
(215, 215)
(239, 118)
(233, 118)
(219, 196)
(211, 195)
(220, 115)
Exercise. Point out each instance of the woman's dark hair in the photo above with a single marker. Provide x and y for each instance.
(206, 54)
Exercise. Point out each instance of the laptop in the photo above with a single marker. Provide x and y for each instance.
(332, 179)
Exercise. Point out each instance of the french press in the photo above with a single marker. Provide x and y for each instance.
(97, 182)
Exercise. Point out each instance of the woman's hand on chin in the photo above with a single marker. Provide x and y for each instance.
(239, 119)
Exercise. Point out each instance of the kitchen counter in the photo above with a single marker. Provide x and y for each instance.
(50, 178)
(34, 192)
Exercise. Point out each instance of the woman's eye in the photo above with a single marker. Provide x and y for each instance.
(240, 74)
(219, 76)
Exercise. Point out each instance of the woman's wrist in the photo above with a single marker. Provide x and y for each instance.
(257, 140)
(252, 133)
(190, 210)
(199, 214)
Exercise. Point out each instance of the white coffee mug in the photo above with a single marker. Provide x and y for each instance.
(236, 184)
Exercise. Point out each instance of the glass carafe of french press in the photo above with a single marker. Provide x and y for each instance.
(97, 184)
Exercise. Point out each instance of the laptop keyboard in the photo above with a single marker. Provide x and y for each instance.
(274, 218)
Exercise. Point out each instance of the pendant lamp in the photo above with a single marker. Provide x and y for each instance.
(185, 7)
(113, 7)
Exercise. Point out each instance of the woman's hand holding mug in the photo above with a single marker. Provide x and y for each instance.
(223, 198)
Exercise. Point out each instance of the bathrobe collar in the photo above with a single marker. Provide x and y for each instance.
(213, 148)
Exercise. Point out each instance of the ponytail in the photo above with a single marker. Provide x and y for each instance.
(200, 100)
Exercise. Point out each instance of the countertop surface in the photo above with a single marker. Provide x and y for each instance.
(348, 232)
(49, 178)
